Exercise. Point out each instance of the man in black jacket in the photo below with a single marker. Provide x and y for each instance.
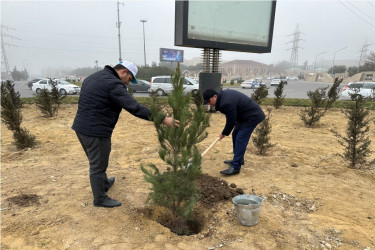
(242, 114)
(103, 96)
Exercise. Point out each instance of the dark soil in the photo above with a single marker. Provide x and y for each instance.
(214, 190)
(24, 200)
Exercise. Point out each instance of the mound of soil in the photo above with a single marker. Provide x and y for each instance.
(214, 190)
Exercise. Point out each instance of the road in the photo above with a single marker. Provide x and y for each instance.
(294, 89)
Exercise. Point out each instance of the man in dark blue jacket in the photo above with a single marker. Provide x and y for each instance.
(242, 116)
(103, 96)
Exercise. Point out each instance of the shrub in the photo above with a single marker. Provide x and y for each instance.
(259, 94)
(11, 105)
(279, 97)
(356, 142)
(261, 138)
(48, 102)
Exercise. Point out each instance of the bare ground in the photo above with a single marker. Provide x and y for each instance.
(312, 200)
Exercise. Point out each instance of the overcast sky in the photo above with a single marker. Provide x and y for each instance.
(70, 34)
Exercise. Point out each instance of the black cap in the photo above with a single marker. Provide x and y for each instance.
(207, 94)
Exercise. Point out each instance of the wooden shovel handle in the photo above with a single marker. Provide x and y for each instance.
(212, 144)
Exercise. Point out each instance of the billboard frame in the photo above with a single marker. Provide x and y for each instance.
(181, 33)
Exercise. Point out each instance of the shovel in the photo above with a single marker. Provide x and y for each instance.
(209, 147)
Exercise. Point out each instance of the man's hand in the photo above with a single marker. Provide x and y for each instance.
(169, 122)
(221, 136)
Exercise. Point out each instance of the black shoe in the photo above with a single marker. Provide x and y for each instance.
(230, 162)
(108, 202)
(230, 171)
(111, 181)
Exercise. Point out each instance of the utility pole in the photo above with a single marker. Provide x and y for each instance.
(96, 64)
(294, 55)
(334, 54)
(144, 40)
(118, 24)
(3, 54)
(317, 57)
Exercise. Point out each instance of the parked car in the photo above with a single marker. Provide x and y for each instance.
(141, 86)
(63, 86)
(250, 84)
(30, 83)
(275, 82)
(284, 79)
(293, 78)
(163, 85)
(365, 89)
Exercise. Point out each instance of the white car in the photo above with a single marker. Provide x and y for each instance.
(275, 82)
(163, 85)
(63, 87)
(365, 89)
(293, 78)
(250, 84)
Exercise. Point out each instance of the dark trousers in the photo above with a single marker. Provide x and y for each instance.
(97, 150)
(240, 137)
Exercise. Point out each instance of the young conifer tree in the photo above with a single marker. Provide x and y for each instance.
(176, 188)
(259, 94)
(11, 105)
(320, 103)
(48, 102)
(356, 142)
(261, 138)
(279, 97)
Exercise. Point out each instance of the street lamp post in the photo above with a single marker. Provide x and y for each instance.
(334, 54)
(317, 57)
(144, 40)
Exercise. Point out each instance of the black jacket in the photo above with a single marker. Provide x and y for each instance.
(238, 109)
(103, 96)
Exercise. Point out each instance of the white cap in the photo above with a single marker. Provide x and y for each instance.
(132, 67)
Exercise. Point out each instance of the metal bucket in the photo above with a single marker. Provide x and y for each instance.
(247, 208)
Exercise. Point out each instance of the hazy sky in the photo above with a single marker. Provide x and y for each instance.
(51, 34)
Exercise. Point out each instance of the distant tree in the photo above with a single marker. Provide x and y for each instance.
(259, 94)
(352, 71)
(146, 72)
(357, 141)
(279, 97)
(11, 105)
(337, 69)
(85, 71)
(19, 75)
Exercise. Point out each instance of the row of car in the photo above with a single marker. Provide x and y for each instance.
(365, 89)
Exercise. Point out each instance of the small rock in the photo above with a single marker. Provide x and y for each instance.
(367, 248)
(136, 228)
(233, 185)
(211, 248)
(312, 208)
(221, 245)
(294, 165)
(298, 191)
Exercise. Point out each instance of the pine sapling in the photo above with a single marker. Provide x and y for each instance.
(279, 97)
(261, 137)
(176, 188)
(11, 105)
(356, 142)
(259, 94)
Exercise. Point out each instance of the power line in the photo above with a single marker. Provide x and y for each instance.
(373, 5)
(356, 14)
(360, 10)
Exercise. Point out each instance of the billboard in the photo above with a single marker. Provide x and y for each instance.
(228, 25)
(171, 55)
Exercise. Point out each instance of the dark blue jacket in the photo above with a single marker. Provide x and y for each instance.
(103, 96)
(239, 109)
